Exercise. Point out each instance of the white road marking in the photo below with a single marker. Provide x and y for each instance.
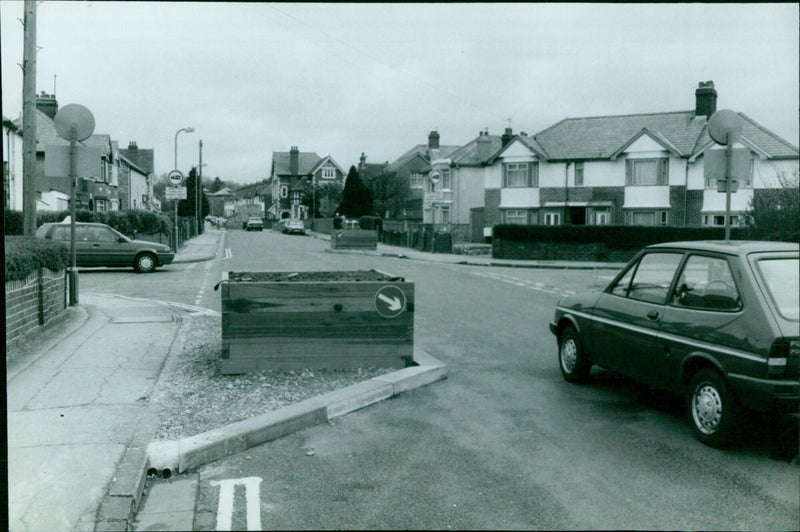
(228, 254)
(252, 501)
(183, 306)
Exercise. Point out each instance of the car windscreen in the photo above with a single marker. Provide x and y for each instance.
(781, 276)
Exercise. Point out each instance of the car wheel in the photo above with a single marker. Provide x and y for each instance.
(145, 263)
(571, 360)
(712, 408)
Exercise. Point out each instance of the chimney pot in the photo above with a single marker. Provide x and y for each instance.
(507, 136)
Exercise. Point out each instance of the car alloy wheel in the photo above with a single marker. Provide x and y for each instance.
(573, 366)
(145, 263)
(712, 409)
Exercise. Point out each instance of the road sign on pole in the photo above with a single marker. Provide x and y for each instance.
(725, 128)
(175, 178)
(176, 193)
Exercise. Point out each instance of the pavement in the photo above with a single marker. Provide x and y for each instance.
(80, 424)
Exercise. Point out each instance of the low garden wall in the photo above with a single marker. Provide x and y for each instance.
(35, 301)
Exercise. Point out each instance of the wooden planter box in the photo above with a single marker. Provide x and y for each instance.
(317, 320)
(354, 239)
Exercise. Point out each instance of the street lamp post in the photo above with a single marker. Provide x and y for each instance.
(187, 130)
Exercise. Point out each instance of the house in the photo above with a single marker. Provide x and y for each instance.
(140, 193)
(12, 165)
(642, 169)
(411, 168)
(217, 200)
(293, 176)
(96, 165)
(249, 200)
(453, 189)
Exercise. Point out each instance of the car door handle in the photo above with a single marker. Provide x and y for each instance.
(95, 245)
(652, 315)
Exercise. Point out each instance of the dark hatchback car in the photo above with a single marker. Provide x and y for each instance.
(716, 322)
(99, 245)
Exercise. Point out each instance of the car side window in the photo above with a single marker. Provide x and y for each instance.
(653, 277)
(620, 288)
(61, 233)
(706, 283)
(102, 234)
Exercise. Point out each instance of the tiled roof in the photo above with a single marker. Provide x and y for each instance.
(141, 157)
(306, 162)
(420, 150)
(601, 137)
(468, 154)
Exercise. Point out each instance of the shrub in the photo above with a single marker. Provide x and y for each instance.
(370, 222)
(123, 221)
(14, 222)
(25, 256)
(337, 223)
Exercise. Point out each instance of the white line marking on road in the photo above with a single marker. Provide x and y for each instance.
(228, 254)
(252, 501)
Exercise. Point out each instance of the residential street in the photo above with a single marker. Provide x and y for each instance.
(504, 442)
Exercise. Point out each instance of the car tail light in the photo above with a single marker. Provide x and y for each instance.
(784, 359)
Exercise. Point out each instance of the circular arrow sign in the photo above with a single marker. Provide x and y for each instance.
(390, 301)
(175, 177)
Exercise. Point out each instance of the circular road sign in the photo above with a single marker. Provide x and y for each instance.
(390, 301)
(725, 126)
(74, 117)
(175, 177)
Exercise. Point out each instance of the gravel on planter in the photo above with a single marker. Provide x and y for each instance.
(192, 396)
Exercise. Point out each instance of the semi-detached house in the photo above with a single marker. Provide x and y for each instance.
(643, 169)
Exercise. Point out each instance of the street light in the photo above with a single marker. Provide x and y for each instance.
(187, 130)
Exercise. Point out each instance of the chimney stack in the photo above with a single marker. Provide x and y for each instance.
(362, 163)
(507, 136)
(433, 140)
(47, 104)
(132, 145)
(294, 160)
(705, 99)
(484, 145)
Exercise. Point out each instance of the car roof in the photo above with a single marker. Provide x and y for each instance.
(737, 247)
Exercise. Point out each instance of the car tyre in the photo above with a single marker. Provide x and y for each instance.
(571, 359)
(712, 409)
(145, 263)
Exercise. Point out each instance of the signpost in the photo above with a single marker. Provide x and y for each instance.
(725, 128)
(74, 123)
(175, 177)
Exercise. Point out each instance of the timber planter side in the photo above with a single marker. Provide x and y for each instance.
(316, 320)
(354, 239)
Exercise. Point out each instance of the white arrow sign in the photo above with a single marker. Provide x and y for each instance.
(394, 302)
(390, 301)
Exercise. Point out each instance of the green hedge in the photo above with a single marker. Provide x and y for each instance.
(623, 237)
(125, 222)
(25, 256)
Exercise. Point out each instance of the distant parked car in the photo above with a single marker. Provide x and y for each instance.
(294, 227)
(717, 322)
(100, 245)
(254, 223)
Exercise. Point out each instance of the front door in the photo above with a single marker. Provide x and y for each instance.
(628, 315)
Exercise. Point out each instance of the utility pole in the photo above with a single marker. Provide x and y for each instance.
(199, 193)
(29, 121)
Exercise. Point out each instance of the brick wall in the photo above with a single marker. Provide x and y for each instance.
(36, 301)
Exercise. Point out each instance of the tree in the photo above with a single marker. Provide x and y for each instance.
(187, 207)
(774, 213)
(356, 198)
(389, 194)
(327, 196)
(216, 185)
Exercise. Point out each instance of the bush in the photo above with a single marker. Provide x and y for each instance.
(14, 223)
(25, 256)
(337, 223)
(125, 222)
(370, 222)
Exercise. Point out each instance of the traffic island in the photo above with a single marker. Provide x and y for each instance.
(316, 320)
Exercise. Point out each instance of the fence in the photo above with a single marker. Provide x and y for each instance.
(186, 230)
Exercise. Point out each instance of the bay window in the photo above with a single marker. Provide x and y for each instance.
(646, 172)
(521, 174)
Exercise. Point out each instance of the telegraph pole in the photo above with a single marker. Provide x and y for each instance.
(29, 121)
(198, 189)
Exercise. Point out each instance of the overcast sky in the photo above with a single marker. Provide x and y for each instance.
(342, 79)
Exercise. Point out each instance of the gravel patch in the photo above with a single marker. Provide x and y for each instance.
(192, 395)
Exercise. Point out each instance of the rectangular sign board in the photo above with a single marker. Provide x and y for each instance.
(714, 166)
(176, 193)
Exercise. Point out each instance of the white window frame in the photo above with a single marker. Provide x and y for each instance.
(328, 172)
(284, 191)
(601, 217)
(417, 180)
(579, 173)
(552, 218)
(445, 214)
(447, 180)
(661, 173)
(515, 216)
(525, 175)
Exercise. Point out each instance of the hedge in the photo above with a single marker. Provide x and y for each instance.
(623, 237)
(25, 255)
(125, 222)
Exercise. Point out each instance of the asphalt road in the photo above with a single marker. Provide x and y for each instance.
(504, 442)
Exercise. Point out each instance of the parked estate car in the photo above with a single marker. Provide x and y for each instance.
(717, 322)
(254, 223)
(99, 245)
(294, 226)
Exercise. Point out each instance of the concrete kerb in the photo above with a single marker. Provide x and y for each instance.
(195, 451)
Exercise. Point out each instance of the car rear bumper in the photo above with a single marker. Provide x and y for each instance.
(766, 395)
